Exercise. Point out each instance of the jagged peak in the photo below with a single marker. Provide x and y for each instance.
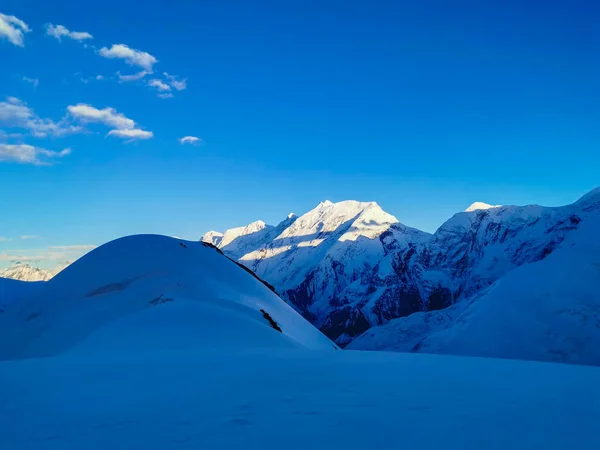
(348, 203)
(291, 216)
(480, 205)
(324, 204)
(258, 225)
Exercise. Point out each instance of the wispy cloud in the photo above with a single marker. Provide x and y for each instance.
(180, 85)
(86, 80)
(15, 113)
(60, 31)
(108, 116)
(132, 77)
(131, 133)
(71, 248)
(5, 239)
(53, 254)
(28, 154)
(190, 140)
(124, 127)
(130, 56)
(13, 29)
(165, 95)
(156, 83)
(34, 81)
(30, 236)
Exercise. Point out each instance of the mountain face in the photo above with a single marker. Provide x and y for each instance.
(548, 310)
(350, 266)
(25, 272)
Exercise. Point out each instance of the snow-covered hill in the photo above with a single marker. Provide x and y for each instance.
(25, 272)
(152, 292)
(350, 266)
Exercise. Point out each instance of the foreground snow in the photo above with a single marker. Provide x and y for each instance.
(295, 399)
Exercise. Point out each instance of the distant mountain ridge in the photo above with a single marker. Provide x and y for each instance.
(349, 266)
(25, 272)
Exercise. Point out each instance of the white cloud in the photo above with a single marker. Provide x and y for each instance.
(133, 77)
(107, 116)
(123, 126)
(69, 248)
(190, 140)
(30, 236)
(4, 239)
(58, 253)
(16, 113)
(159, 85)
(4, 135)
(180, 85)
(12, 28)
(131, 56)
(33, 81)
(167, 95)
(60, 31)
(131, 133)
(86, 80)
(28, 154)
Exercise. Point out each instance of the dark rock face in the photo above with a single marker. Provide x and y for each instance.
(348, 320)
(439, 298)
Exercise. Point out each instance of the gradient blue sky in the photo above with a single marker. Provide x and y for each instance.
(422, 106)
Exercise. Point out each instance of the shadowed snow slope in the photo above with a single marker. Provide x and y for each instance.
(548, 310)
(295, 400)
(16, 290)
(151, 292)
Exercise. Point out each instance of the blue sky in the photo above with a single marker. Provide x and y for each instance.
(420, 106)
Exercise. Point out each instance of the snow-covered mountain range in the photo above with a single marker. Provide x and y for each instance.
(25, 272)
(350, 266)
(151, 342)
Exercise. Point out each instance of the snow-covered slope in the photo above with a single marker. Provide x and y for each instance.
(141, 289)
(25, 272)
(296, 400)
(548, 310)
(14, 291)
